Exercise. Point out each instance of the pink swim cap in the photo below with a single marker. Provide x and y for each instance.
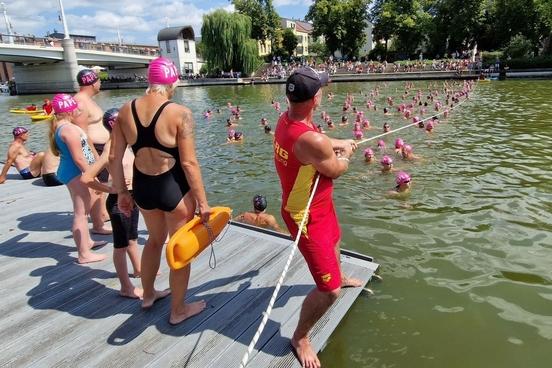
(415, 119)
(402, 178)
(407, 148)
(429, 126)
(17, 131)
(368, 152)
(358, 134)
(231, 133)
(381, 143)
(64, 103)
(399, 143)
(162, 71)
(386, 160)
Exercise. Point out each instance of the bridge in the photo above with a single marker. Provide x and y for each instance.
(39, 61)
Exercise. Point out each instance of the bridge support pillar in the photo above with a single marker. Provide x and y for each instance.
(49, 78)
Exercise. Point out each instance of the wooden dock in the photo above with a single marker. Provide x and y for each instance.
(55, 312)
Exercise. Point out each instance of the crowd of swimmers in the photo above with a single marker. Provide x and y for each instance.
(147, 148)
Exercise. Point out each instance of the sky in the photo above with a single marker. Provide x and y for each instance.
(139, 21)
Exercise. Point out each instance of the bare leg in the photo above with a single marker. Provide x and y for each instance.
(346, 281)
(127, 288)
(98, 213)
(151, 256)
(132, 251)
(35, 166)
(81, 202)
(180, 310)
(315, 305)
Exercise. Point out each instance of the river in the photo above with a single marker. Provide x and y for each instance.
(466, 259)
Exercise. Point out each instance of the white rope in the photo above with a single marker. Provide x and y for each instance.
(266, 313)
(411, 124)
(268, 310)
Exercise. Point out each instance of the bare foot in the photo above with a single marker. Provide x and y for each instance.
(97, 244)
(187, 311)
(350, 282)
(102, 231)
(134, 293)
(306, 355)
(91, 257)
(148, 302)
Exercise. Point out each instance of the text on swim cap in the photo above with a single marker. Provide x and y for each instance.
(64, 104)
(169, 71)
(89, 78)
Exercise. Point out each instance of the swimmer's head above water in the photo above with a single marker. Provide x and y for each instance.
(259, 203)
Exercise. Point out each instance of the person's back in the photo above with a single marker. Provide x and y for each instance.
(258, 217)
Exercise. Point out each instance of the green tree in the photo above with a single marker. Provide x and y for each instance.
(318, 48)
(519, 47)
(341, 23)
(227, 44)
(289, 41)
(264, 19)
(456, 25)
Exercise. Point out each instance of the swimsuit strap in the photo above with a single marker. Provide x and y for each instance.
(146, 135)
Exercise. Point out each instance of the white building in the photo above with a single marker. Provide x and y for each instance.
(178, 44)
(369, 40)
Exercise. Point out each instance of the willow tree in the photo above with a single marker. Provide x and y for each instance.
(227, 44)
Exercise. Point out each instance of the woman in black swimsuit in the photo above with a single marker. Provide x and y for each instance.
(167, 179)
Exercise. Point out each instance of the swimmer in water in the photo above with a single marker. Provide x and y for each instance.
(259, 217)
(381, 145)
(344, 120)
(268, 130)
(429, 127)
(330, 123)
(264, 121)
(386, 111)
(369, 156)
(230, 136)
(402, 189)
(386, 164)
(399, 143)
(407, 153)
(386, 128)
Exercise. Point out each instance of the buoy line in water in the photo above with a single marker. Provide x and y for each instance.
(268, 311)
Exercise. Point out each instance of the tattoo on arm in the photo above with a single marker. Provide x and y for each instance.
(187, 124)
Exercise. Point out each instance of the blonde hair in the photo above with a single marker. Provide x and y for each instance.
(164, 89)
(52, 132)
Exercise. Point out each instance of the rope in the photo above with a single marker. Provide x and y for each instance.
(268, 310)
(411, 124)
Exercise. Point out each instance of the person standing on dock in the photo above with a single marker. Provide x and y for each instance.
(89, 83)
(299, 153)
(167, 183)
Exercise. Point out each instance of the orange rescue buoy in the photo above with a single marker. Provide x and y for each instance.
(190, 240)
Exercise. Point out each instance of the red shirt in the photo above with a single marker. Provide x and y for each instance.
(296, 178)
(47, 108)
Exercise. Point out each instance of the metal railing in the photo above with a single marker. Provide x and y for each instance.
(81, 45)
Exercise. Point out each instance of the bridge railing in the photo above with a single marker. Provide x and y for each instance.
(82, 45)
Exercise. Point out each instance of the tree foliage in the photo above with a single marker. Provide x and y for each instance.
(227, 44)
(342, 23)
(264, 19)
(439, 27)
(289, 41)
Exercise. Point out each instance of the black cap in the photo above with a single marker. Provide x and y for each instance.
(304, 83)
(259, 202)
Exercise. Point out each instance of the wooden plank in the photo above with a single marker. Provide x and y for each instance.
(134, 326)
(221, 332)
(277, 352)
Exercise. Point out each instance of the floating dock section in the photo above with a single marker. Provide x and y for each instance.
(55, 312)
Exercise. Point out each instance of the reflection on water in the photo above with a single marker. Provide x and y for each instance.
(466, 259)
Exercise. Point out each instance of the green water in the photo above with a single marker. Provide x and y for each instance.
(465, 260)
